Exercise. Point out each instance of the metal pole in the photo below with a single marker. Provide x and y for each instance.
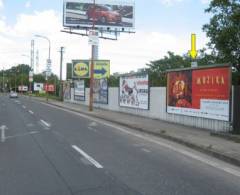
(92, 65)
(61, 63)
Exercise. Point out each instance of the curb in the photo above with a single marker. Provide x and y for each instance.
(203, 149)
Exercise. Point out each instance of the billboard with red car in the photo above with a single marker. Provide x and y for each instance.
(200, 92)
(105, 13)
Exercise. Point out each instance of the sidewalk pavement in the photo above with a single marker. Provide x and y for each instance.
(198, 139)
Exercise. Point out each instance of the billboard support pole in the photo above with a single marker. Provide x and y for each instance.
(92, 65)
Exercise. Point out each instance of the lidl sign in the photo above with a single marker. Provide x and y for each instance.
(81, 69)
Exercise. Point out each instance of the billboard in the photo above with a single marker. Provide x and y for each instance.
(38, 87)
(100, 91)
(134, 92)
(81, 69)
(67, 91)
(200, 93)
(23, 88)
(79, 90)
(105, 14)
(49, 87)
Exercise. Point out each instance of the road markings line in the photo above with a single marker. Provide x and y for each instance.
(22, 135)
(3, 137)
(222, 167)
(146, 150)
(89, 158)
(24, 107)
(45, 123)
(31, 112)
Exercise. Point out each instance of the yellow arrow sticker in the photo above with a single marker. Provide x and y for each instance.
(193, 52)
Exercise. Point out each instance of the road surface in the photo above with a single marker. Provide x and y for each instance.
(45, 150)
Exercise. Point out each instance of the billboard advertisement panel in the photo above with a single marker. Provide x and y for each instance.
(105, 14)
(81, 69)
(200, 93)
(38, 87)
(67, 91)
(100, 91)
(49, 87)
(79, 90)
(23, 88)
(134, 92)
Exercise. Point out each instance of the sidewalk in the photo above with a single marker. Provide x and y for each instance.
(194, 138)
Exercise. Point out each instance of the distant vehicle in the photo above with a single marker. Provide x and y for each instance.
(104, 14)
(13, 94)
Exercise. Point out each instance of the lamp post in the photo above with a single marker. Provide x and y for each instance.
(48, 60)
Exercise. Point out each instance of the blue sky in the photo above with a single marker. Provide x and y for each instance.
(161, 25)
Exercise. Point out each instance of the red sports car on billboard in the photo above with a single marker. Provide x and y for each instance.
(104, 14)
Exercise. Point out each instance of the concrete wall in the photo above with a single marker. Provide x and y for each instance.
(157, 110)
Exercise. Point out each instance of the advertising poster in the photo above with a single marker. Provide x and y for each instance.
(79, 90)
(100, 91)
(67, 90)
(49, 87)
(200, 93)
(134, 92)
(81, 69)
(38, 87)
(105, 13)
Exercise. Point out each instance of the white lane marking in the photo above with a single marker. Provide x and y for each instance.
(45, 123)
(31, 112)
(22, 135)
(221, 166)
(24, 107)
(89, 158)
(92, 124)
(92, 129)
(145, 150)
(3, 137)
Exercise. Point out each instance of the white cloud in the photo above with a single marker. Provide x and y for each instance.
(130, 52)
(205, 1)
(1, 3)
(28, 4)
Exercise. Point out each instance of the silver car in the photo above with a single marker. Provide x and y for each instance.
(13, 94)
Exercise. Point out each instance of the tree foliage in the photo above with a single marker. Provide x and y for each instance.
(224, 30)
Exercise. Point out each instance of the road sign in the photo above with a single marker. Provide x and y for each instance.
(48, 69)
(81, 69)
(101, 69)
(30, 76)
(93, 38)
(193, 52)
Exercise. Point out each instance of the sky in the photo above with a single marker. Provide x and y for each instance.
(160, 26)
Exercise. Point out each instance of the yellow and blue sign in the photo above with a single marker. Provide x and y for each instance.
(101, 69)
(81, 69)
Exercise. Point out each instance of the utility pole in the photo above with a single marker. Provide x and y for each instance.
(3, 79)
(61, 63)
(92, 62)
(32, 67)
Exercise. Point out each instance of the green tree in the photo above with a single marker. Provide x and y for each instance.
(224, 30)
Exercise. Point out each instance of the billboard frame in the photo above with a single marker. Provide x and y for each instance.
(149, 93)
(101, 28)
(226, 65)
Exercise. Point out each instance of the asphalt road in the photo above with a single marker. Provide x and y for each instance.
(45, 150)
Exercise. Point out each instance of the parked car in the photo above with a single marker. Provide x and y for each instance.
(13, 94)
(104, 14)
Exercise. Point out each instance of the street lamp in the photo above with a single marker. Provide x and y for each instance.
(49, 59)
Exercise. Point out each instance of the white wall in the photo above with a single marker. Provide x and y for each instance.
(157, 110)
